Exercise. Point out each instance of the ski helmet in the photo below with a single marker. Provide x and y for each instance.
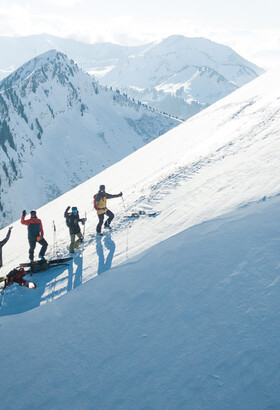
(33, 214)
(102, 188)
(74, 209)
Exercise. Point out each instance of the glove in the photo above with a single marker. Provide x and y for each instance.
(24, 213)
(67, 209)
(120, 194)
(10, 228)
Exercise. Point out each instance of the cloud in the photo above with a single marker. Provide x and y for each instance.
(65, 3)
(73, 19)
(18, 20)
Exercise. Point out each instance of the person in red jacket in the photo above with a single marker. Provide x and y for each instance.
(35, 234)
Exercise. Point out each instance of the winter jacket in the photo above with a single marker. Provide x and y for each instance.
(35, 228)
(100, 201)
(72, 221)
(2, 243)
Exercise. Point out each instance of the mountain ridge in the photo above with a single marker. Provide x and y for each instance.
(181, 75)
(50, 102)
(183, 97)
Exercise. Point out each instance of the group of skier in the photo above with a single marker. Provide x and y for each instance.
(73, 218)
(36, 232)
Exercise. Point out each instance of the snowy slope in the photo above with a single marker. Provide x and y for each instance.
(194, 320)
(51, 112)
(221, 159)
(193, 323)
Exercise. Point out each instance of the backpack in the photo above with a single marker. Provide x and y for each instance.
(95, 201)
(68, 221)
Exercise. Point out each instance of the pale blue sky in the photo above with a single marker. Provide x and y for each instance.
(248, 26)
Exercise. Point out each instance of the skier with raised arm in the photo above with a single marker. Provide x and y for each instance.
(100, 204)
(2, 243)
(72, 221)
(35, 234)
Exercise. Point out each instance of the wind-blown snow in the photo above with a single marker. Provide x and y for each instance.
(183, 311)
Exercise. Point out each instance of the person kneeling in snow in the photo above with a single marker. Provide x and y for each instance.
(35, 234)
(72, 221)
(100, 201)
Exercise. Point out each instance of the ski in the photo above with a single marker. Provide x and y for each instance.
(58, 261)
(140, 214)
(41, 265)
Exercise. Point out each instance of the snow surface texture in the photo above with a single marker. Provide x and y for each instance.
(177, 75)
(183, 311)
(59, 127)
(192, 323)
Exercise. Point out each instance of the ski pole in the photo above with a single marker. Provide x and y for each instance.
(123, 203)
(54, 240)
(85, 219)
(84, 231)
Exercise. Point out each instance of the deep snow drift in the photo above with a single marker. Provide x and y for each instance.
(193, 322)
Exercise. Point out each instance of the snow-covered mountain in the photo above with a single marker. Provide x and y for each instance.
(15, 51)
(59, 127)
(181, 75)
(183, 309)
(177, 75)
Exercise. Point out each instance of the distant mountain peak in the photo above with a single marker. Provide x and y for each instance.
(46, 63)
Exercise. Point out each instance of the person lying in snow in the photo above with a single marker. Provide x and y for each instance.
(15, 276)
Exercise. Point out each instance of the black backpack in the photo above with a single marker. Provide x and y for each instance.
(72, 220)
(68, 221)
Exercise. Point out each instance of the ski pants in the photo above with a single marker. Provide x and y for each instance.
(32, 244)
(101, 220)
(75, 243)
